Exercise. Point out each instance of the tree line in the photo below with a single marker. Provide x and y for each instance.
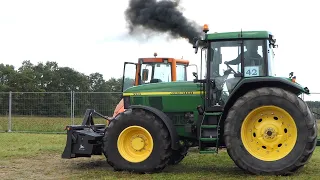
(49, 77)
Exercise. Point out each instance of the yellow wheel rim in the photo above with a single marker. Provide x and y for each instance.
(135, 144)
(269, 133)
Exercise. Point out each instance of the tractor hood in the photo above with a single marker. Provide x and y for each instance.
(179, 87)
(189, 87)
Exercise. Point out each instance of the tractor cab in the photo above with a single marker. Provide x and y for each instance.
(154, 70)
(233, 56)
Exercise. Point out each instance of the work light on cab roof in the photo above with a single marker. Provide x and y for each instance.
(205, 28)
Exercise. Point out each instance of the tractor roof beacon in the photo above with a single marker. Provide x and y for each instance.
(239, 105)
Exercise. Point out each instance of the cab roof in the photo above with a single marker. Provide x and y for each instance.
(182, 61)
(238, 34)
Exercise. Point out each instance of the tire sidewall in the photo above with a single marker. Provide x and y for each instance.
(299, 120)
(134, 120)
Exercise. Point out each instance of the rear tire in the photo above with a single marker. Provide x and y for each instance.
(287, 115)
(122, 142)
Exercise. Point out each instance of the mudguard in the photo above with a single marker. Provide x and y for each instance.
(248, 84)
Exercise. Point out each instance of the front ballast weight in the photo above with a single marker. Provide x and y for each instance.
(86, 139)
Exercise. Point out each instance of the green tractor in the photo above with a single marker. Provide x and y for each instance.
(240, 105)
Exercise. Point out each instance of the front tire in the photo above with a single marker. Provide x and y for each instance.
(137, 142)
(270, 131)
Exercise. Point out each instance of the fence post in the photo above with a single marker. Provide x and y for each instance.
(9, 117)
(73, 107)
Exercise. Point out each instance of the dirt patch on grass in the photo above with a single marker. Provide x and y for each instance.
(52, 166)
(49, 167)
(194, 166)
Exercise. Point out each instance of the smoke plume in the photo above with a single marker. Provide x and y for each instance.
(151, 16)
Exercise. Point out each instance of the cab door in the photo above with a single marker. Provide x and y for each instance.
(130, 75)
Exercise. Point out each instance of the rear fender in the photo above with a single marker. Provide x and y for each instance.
(253, 83)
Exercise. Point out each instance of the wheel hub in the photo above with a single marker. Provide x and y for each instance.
(137, 143)
(268, 133)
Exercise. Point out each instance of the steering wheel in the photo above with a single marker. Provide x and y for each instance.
(230, 68)
(222, 79)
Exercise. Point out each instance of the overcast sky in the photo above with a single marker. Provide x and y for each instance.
(91, 36)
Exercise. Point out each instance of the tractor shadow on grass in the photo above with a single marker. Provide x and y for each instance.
(88, 164)
(182, 169)
(192, 169)
(102, 165)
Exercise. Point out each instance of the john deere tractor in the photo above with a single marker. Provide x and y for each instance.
(240, 105)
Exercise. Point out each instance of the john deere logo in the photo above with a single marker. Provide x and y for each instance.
(179, 93)
(81, 148)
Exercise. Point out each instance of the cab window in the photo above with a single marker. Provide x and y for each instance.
(157, 72)
(181, 72)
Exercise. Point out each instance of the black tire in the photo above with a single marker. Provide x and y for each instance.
(178, 155)
(303, 118)
(160, 154)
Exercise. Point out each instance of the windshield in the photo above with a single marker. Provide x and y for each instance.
(225, 62)
(229, 52)
(222, 52)
(158, 72)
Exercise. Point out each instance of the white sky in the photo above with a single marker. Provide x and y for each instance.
(90, 36)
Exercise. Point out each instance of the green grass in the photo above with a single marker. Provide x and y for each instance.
(41, 124)
(38, 156)
(16, 145)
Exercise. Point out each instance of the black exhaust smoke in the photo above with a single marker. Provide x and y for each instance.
(151, 16)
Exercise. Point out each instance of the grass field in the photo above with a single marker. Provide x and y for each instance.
(41, 124)
(37, 156)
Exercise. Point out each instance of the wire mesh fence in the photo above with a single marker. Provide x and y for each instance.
(50, 112)
(102, 102)
(4, 112)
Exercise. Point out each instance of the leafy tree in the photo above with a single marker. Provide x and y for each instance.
(55, 84)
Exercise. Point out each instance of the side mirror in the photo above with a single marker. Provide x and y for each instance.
(196, 45)
(290, 75)
(145, 73)
(195, 75)
(194, 71)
